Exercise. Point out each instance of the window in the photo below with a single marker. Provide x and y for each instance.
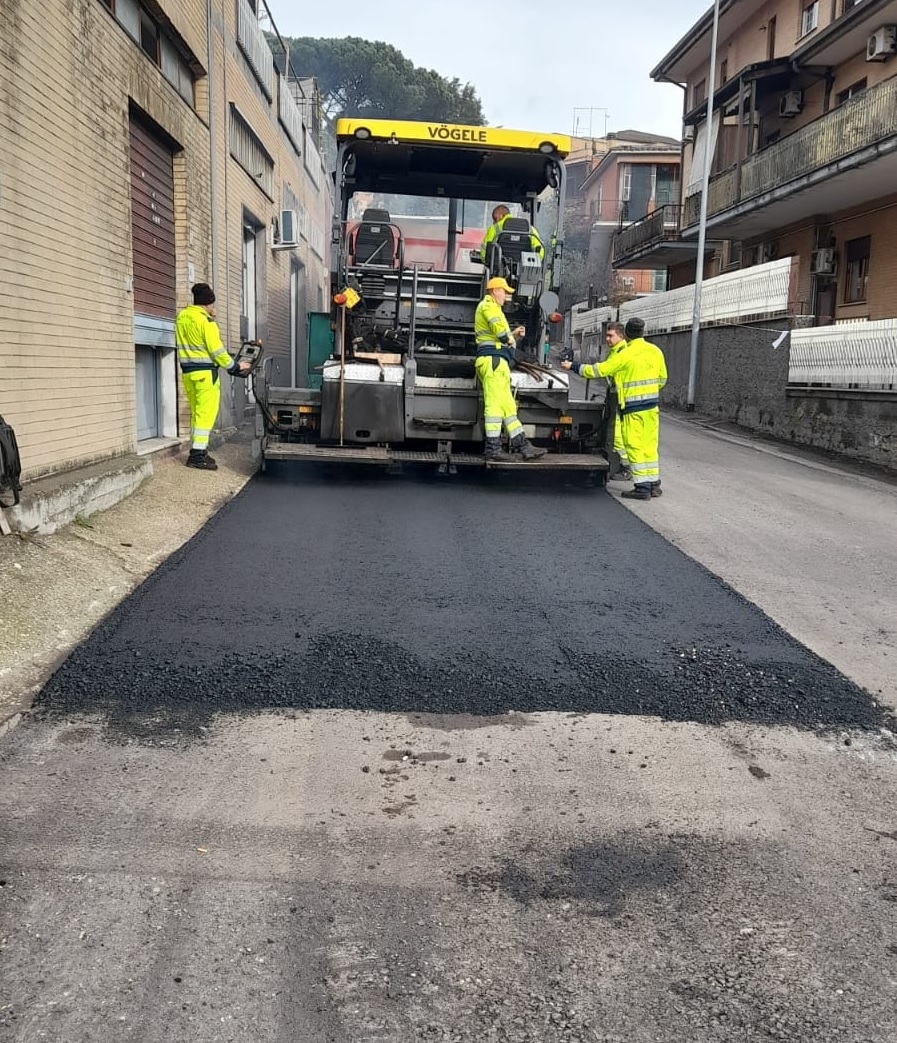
(723, 71)
(809, 18)
(145, 30)
(856, 253)
(699, 93)
(149, 36)
(250, 153)
(854, 88)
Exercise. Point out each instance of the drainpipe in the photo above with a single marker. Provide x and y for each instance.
(702, 225)
(213, 142)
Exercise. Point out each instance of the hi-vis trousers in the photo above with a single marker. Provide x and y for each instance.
(641, 437)
(498, 398)
(619, 444)
(203, 390)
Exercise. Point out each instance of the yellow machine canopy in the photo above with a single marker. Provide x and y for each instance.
(450, 160)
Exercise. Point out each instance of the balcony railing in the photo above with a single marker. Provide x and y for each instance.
(254, 45)
(859, 123)
(658, 227)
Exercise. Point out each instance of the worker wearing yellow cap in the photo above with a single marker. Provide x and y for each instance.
(495, 353)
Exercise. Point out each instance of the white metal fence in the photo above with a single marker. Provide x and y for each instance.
(746, 295)
(289, 114)
(860, 355)
(255, 47)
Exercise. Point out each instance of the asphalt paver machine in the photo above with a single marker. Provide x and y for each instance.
(390, 372)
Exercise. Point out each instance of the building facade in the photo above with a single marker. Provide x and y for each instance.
(637, 176)
(156, 148)
(803, 144)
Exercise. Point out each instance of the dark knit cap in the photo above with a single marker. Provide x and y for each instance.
(203, 293)
(634, 328)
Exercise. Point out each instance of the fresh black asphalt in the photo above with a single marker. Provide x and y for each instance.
(459, 595)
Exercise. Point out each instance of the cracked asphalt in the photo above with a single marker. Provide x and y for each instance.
(378, 759)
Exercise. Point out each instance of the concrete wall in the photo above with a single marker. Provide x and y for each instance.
(741, 378)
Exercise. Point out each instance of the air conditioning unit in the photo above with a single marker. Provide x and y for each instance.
(882, 43)
(824, 261)
(791, 104)
(289, 231)
(688, 134)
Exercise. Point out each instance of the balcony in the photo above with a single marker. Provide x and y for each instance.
(654, 242)
(841, 159)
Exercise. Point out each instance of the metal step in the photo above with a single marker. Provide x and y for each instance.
(383, 457)
(552, 462)
(344, 453)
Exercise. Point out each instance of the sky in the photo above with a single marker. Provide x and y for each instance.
(567, 66)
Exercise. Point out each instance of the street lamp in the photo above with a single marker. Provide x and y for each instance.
(702, 220)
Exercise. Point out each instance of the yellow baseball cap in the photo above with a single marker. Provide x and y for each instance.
(499, 284)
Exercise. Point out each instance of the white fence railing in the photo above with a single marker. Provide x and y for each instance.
(748, 294)
(254, 45)
(589, 320)
(862, 355)
(289, 114)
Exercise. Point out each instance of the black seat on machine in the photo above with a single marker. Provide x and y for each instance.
(514, 238)
(375, 239)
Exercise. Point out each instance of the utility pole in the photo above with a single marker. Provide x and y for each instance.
(702, 221)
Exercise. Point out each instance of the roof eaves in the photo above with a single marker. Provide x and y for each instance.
(703, 26)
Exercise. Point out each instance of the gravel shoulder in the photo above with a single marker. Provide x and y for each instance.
(55, 589)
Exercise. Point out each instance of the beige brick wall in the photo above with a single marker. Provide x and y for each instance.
(878, 220)
(66, 311)
(246, 200)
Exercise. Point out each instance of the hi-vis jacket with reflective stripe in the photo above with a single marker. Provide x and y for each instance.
(199, 341)
(638, 370)
(493, 333)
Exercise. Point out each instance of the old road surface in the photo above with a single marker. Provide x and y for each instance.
(389, 760)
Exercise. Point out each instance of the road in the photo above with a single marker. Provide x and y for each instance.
(467, 761)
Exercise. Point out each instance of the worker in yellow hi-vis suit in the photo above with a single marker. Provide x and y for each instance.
(495, 353)
(499, 216)
(200, 355)
(639, 372)
(615, 340)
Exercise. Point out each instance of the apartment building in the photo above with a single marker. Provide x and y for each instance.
(638, 175)
(803, 142)
(145, 146)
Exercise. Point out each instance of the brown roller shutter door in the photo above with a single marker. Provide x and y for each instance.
(152, 223)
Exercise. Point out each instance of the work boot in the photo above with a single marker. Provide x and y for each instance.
(623, 475)
(494, 450)
(640, 492)
(521, 444)
(201, 460)
(656, 490)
